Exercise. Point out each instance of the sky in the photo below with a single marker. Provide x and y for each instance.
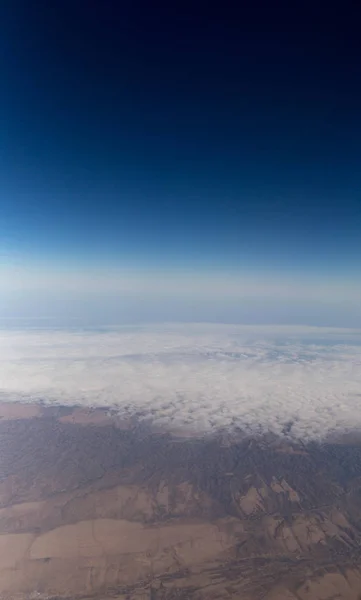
(174, 163)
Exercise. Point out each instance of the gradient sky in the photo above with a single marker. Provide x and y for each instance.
(172, 163)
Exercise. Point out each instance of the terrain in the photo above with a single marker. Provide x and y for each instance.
(94, 507)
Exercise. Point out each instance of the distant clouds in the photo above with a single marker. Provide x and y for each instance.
(99, 295)
(218, 284)
(199, 377)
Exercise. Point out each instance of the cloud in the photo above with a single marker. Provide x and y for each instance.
(181, 283)
(199, 377)
(95, 295)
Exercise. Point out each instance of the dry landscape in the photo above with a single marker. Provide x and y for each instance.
(95, 507)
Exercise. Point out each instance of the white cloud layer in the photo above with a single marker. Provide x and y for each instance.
(199, 377)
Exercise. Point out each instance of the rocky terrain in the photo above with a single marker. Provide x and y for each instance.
(94, 507)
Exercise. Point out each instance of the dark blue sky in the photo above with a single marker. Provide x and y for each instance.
(135, 133)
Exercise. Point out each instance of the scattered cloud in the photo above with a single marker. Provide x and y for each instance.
(200, 377)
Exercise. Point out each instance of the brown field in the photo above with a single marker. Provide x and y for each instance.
(92, 506)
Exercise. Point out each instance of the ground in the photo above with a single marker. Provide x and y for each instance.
(93, 506)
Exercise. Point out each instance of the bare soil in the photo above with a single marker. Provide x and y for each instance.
(96, 507)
